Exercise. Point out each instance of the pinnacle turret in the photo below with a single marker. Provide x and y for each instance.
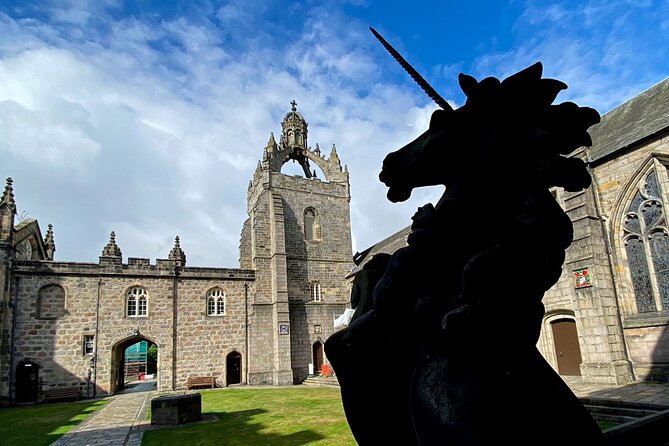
(49, 243)
(112, 249)
(177, 253)
(8, 196)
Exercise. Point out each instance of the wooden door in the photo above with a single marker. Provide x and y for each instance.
(567, 350)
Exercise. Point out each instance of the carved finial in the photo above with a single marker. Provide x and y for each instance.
(293, 105)
(49, 242)
(272, 141)
(177, 253)
(318, 150)
(8, 195)
(112, 249)
(334, 149)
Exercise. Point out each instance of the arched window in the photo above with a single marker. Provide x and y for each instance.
(316, 292)
(216, 302)
(311, 227)
(50, 302)
(646, 241)
(137, 303)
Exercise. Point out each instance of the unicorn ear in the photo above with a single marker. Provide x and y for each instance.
(468, 84)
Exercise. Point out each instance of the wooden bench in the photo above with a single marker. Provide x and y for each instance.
(201, 381)
(61, 393)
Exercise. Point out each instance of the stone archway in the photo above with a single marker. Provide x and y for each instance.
(117, 377)
(27, 382)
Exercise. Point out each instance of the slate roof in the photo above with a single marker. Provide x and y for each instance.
(388, 245)
(641, 117)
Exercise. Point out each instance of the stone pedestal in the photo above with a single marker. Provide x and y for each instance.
(176, 409)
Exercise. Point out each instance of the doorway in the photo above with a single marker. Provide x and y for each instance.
(132, 359)
(27, 382)
(567, 350)
(317, 351)
(233, 368)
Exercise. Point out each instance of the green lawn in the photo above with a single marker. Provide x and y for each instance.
(288, 416)
(43, 424)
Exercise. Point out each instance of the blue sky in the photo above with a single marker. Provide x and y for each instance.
(149, 117)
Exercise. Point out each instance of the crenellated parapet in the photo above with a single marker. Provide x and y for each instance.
(330, 166)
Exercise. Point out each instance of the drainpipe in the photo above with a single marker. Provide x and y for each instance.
(609, 257)
(174, 325)
(14, 305)
(97, 331)
(246, 329)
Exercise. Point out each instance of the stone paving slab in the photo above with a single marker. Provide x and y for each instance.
(116, 424)
(638, 392)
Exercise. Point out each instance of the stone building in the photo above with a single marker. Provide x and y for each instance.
(607, 318)
(68, 323)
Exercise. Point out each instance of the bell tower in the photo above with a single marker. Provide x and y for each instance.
(298, 239)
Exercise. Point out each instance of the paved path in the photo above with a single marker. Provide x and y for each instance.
(645, 392)
(117, 423)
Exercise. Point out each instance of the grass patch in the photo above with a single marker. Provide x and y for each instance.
(289, 416)
(45, 423)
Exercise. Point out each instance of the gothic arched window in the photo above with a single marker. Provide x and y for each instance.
(137, 302)
(216, 302)
(646, 241)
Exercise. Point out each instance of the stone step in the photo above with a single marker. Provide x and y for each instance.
(318, 380)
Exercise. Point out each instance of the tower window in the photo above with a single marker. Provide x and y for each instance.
(316, 292)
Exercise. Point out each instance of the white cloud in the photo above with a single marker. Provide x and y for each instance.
(161, 119)
(35, 138)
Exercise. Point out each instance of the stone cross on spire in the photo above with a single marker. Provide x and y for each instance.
(293, 105)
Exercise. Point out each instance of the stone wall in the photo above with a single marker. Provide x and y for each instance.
(203, 341)
(324, 260)
(616, 180)
(95, 304)
(593, 308)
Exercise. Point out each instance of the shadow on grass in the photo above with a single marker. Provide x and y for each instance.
(232, 429)
(42, 424)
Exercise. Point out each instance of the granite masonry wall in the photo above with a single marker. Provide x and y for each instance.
(50, 330)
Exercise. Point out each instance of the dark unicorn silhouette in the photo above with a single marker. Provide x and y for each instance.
(446, 353)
